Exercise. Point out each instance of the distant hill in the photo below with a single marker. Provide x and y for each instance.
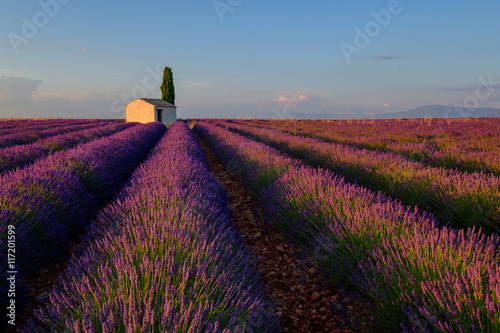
(440, 111)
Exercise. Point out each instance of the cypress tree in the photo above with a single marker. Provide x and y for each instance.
(167, 86)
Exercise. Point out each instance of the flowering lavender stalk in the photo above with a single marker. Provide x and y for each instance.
(457, 199)
(53, 200)
(19, 156)
(419, 276)
(21, 137)
(40, 125)
(470, 145)
(163, 257)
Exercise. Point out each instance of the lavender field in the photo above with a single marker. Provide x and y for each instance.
(108, 226)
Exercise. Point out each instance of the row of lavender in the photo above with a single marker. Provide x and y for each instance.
(20, 155)
(470, 145)
(6, 124)
(477, 134)
(8, 127)
(27, 125)
(52, 201)
(163, 257)
(22, 137)
(418, 276)
(457, 199)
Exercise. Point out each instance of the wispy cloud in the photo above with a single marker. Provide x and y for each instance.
(384, 57)
(60, 104)
(494, 85)
(17, 89)
(286, 98)
(82, 50)
(300, 102)
(9, 71)
(79, 96)
(190, 84)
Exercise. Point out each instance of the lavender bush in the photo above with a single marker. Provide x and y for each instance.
(457, 199)
(19, 156)
(470, 145)
(53, 200)
(420, 277)
(163, 257)
(24, 125)
(24, 136)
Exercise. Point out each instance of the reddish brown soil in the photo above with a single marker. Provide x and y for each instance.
(304, 303)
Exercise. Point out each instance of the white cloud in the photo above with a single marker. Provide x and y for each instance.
(81, 96)
(17, 89)
(9, 71)
(190, 84)
(286, 99)
(299, 103)
(384, 57)
(19, 98)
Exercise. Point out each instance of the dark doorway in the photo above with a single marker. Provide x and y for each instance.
(158, 115)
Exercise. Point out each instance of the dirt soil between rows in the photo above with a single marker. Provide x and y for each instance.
(300, 298)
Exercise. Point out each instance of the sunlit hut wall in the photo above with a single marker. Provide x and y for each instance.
(146, 110)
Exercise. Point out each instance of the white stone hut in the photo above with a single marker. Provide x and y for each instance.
(147, 110)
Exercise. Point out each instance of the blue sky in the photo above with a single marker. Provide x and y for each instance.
(242, 58)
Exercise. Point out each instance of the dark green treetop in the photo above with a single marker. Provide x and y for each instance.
(167, 86)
